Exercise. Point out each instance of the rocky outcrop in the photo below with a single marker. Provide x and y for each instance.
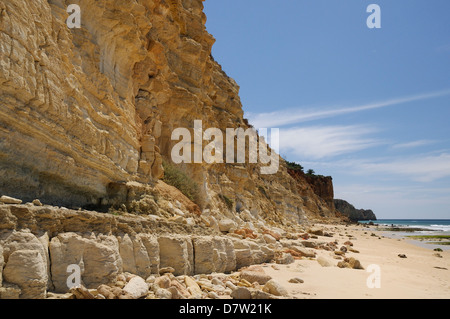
(352, 213)
(39, 243)
(28, 270)
(37, 256)
(98, 257)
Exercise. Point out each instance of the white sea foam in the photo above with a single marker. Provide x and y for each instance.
(417, 224)
(440, 227)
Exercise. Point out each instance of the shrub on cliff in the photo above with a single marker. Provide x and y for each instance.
(294, 166)
(229, 202)
(179, 179)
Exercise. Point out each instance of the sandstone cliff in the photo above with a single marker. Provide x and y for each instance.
(84, 111)
(351, 212)
(86, 117)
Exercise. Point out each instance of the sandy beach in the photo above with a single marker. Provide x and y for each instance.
(421, 275)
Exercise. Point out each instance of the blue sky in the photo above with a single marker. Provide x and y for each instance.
(370, 107)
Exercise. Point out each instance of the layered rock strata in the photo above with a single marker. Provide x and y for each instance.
(84, 110)
(40, 246)
(39, 243)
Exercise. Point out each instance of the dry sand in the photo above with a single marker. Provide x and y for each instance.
(413, 277)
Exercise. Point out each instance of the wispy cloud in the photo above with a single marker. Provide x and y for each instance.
(416, 190)
(291, 116)
(317, 142)
(412, 144)
(420, 168)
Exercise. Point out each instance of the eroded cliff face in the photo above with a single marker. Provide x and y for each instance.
(322, 187)
(84, 111)
(316, 190)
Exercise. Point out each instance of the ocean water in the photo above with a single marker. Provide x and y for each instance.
(429, 226)
(441, 225)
